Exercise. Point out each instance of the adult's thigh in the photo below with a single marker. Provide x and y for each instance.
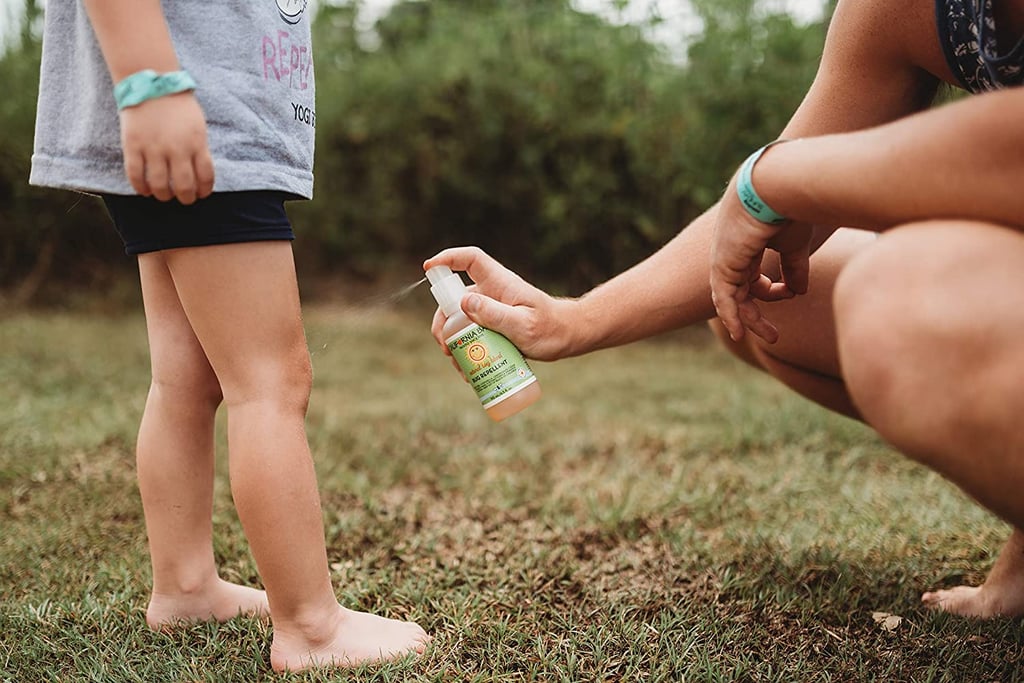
(806, 356)
(807, 329)
(931, 322)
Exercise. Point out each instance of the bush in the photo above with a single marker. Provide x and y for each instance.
(45, 235)
(568, 147)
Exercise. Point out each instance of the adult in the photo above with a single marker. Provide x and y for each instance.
(912, 319)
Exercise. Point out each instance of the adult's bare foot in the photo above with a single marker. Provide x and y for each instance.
(1002, 594)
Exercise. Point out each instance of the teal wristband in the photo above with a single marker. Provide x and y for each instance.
(148, 84)
(754, 205)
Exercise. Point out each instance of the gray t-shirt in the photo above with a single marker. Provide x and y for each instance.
(253, 63)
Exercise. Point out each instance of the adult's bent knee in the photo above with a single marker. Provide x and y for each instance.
(905, 330)
(877, 326)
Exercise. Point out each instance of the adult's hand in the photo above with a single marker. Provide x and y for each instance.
(737, 281)
(166, 153)
(539, 324)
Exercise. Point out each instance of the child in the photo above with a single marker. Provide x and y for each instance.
(206, 218)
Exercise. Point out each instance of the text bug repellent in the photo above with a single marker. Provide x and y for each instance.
(495, 368)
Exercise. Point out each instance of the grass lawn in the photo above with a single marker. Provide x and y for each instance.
(662, 514)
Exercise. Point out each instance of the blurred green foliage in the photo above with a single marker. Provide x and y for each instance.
(567, 146)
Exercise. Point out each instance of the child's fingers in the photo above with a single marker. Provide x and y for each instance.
(204, 173)
(166, 151)
(183, 180)
(158, 176)
(135, 169)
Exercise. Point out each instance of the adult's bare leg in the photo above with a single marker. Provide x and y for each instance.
(1002, 594)
(174, 458)
(242, 301)
(806, 356)
(930, 325)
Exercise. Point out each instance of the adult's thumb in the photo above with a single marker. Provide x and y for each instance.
(486, 311)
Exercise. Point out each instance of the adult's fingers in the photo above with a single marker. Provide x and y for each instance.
(473, 260)
(435, 329)
(753, 320)
(723, 296)
(486, 312)
(764, 289)
(796, 269)
(494, 315)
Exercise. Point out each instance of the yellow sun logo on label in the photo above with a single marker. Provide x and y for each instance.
(476, 352)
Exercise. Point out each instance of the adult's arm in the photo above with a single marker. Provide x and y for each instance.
(877, 66)
(962, 160)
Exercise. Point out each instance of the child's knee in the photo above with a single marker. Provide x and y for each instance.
(285, 380)
(189, 386)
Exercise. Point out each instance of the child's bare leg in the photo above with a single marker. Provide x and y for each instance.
(175, 466)
(242, 301)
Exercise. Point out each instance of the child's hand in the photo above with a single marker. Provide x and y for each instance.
(165, 148)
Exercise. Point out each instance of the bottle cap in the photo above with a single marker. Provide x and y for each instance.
(447, 288)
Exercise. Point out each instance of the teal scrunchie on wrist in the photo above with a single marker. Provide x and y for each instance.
(148, 84)
(753, 203)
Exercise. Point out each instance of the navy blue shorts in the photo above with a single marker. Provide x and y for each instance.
(147, 224)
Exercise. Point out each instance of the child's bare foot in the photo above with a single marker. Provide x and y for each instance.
(1002, 594)
(220, 601)
(354, 638)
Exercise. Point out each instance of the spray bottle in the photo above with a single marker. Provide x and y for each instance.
(494, 367)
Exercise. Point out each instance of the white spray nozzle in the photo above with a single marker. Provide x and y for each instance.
(447, 288)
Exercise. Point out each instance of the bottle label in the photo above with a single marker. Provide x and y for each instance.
(493, 365)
